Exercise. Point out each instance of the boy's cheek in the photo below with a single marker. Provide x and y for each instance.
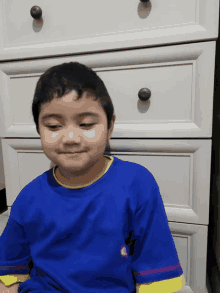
(92, 135)
(89, 133)
(49, 137)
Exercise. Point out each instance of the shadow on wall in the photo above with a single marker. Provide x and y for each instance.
(213, 251)
(3, 202)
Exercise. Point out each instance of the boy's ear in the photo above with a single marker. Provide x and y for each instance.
(110, 131)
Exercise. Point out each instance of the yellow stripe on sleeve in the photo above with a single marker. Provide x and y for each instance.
(8, 280)
(165, 286)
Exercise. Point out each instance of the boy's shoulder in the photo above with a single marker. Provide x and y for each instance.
(132, 166)
(27, 197)
(29, 191)
(133, 170)
(137, 179)
(37, 181)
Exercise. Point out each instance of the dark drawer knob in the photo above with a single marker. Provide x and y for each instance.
(36, 12)
(144, 1)
(144, 94)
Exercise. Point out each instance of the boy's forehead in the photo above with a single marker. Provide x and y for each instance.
(69, 102)
(59, 116)
(87, 105)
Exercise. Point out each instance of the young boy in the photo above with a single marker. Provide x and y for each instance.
(93, 223)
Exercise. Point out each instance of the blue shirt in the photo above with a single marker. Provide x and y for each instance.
(93, 239)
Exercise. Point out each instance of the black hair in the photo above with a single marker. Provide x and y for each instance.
(61, 79)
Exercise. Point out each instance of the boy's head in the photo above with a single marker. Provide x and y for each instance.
(68, 90)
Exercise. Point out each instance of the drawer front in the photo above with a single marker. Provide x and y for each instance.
(180, 167)
(180, 104)
(70, 26)
(191, 245)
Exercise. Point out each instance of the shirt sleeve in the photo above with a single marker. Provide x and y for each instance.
(9, 280)
(166, 286)
(155, 256)
(14, 253)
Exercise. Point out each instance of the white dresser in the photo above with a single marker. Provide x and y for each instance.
(157, 59)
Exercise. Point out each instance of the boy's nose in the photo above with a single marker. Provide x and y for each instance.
(71, 136)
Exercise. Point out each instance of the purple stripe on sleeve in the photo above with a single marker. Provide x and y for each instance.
(13, 268)
(149, 272)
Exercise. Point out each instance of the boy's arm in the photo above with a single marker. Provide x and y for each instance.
(10, 283)
(9, 280)
(9, 289)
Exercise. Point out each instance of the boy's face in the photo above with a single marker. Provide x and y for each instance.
(69, 132)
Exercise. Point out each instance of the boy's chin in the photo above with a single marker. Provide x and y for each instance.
(74, 166)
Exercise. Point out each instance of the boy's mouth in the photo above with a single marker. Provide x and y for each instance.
(70, 153)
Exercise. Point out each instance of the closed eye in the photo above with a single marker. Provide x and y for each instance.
(87, 125)
(82, 125)
(53, 126)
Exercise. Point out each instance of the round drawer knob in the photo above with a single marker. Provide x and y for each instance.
(144, 94)
(36, 12)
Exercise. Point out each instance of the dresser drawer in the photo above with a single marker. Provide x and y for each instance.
(180, 79)
(191, 245)
(78, 26)
(180, 167)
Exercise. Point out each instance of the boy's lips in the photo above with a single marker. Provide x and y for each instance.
(70, 152)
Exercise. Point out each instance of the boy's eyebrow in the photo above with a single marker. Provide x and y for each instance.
(53, 115)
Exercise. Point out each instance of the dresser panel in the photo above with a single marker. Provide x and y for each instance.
(191, 246)
(180, 79)
(99, 25)
(181, 169)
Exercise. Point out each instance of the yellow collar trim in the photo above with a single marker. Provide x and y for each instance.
(87, 184)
